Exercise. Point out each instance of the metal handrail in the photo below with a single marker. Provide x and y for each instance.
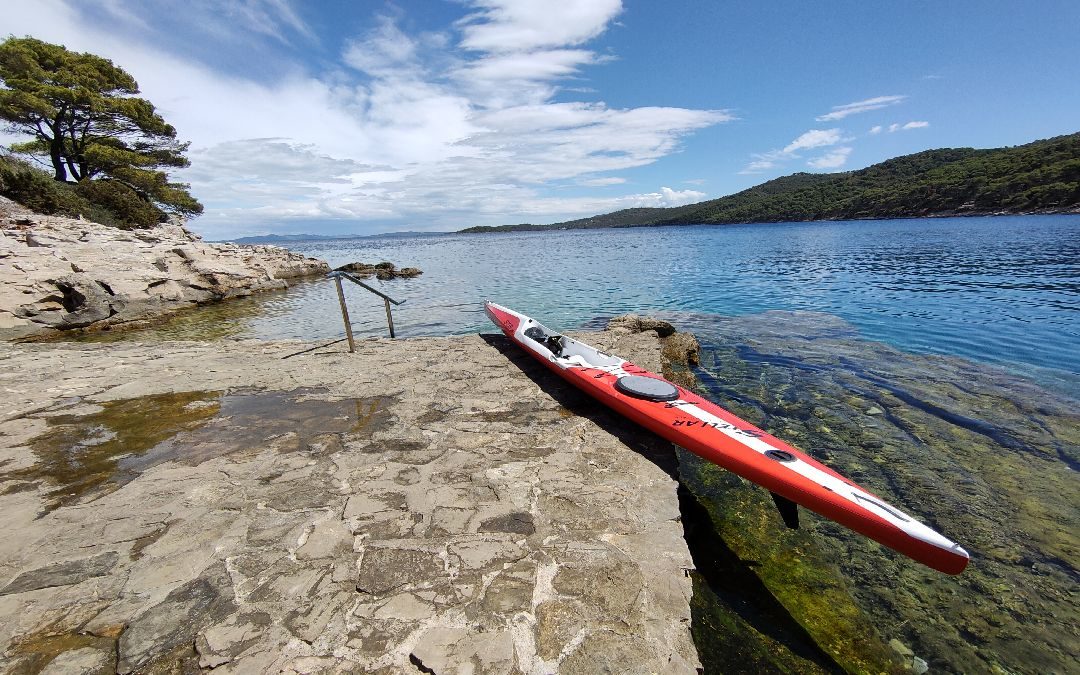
(337, 276)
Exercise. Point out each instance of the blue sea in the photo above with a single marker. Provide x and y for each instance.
(1001, 290)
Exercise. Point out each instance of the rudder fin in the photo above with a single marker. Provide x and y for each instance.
(788, 509)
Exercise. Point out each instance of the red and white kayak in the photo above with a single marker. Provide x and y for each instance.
(718, 436)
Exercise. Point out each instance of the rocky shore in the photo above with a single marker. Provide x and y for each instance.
(63, 273)
(432, 505)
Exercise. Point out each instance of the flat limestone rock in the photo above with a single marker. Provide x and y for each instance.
(84, 661)
(62, 574)
(175, 621)
(459, 509)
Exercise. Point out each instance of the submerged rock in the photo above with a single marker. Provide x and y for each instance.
(985, 457)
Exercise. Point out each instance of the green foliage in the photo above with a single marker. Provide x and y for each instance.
(120, 200)
(36, 190)
(1037, 176)
(83, 115)
(1040, 176)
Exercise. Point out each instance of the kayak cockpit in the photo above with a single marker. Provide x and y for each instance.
(567, 349)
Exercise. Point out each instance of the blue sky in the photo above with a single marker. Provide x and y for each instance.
(362, 117)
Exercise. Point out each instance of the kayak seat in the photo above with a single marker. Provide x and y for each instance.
(552, 342)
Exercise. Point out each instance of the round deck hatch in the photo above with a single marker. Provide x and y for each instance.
(648, 388)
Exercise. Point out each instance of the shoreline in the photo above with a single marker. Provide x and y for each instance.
(62, 274)
(501, 229)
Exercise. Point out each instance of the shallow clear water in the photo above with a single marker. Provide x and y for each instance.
(1003, 290)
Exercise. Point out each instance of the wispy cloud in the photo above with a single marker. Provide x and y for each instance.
(270, 17)
(763, 162)
(841, 111)
(834, 159)
(442, 129)
(893, 128)
(814, 138)
(876, 129)
(602, 182)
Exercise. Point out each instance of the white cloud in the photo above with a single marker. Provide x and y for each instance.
(839, 112)
(385, 50)
(876, 129)
(602, 182)
(524, 25)
(815, 138)
(834, 159)
(671, 197)
(523, 46)
(893, 128)
(764, 161)
(586, 206)
(406, 127)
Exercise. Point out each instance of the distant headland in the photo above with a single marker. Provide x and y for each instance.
(1040, 177)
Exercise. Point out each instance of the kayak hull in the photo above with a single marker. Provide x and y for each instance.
(715, 434)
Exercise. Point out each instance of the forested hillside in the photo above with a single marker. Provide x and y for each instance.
(1043, 176)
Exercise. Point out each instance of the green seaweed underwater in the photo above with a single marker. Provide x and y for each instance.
(987, 458)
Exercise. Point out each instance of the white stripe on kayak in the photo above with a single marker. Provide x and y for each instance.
(856, 496)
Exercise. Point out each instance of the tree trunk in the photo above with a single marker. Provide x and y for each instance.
(56, 146)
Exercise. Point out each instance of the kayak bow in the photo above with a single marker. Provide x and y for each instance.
(704, 428)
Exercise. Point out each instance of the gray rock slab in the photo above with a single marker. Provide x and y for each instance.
(483, 517)
(83, 661)
(176, 620)
(62, 574)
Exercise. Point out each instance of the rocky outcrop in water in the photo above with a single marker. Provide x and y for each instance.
(384, 271)
(62, 273)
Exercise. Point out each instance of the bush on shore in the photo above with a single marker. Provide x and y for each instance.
(103, 201)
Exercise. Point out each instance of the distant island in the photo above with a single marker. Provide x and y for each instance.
(282, 238)
(1040, 177)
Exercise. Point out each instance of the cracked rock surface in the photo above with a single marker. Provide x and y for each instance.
(430, 505)
(61, 273)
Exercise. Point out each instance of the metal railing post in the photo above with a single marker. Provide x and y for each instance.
(345, 314)
(387, 300)
(389, 317)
